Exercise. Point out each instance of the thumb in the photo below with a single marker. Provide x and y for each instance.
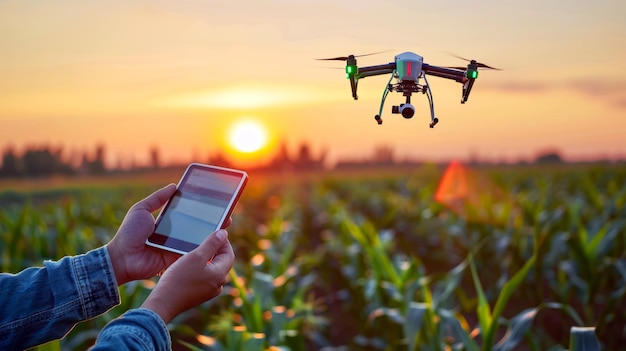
(157, 199)
(210, 246)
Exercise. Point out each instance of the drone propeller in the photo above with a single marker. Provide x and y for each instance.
(345, 58)
(478, 64)
(351, 69)
(460, 68)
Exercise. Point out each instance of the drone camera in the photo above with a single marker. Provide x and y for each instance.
(406, 110)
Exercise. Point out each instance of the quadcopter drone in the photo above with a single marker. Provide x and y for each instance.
(407, 69)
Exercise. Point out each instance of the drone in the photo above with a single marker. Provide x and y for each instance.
(406, 72)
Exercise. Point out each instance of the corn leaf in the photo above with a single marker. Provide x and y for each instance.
(459, 334)
(483, 310)
(507, 290)
(583, 339)
(413, 323)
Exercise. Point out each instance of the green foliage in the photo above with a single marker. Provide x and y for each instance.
(583, 339)
(372, 262)
(50, 346)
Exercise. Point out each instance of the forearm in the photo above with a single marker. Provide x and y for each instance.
(43, 304)
(137, 329)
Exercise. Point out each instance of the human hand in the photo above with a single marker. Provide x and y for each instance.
(132, 259)
(195, 278)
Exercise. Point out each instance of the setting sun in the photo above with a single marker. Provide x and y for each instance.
(248, 136)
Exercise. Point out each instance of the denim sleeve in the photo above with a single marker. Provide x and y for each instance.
(44, 303)
(137, 329)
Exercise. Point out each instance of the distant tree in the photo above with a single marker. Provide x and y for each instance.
(383, 155)
(305, 160)
(282, 157)
(99, 162)
(94, 165)
(549, 157)
(281, 161)
(42, 162)
(10, 164)
(155, 157)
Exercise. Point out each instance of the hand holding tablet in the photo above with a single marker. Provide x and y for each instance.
(204, 199)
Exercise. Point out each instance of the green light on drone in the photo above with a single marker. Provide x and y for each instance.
(472, 74)
(350, 70)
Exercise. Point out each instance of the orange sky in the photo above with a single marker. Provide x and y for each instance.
(177, 75)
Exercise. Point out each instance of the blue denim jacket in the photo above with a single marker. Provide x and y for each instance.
(138, 329)
(38, 305)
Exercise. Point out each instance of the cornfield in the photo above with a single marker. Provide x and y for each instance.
(376, 261)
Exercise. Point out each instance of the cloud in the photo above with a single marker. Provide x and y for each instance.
(519, 86)
(597, 87)
(621, 103)
(610, 91)
(247, 97)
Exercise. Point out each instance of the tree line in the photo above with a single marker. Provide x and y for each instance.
(47, 161)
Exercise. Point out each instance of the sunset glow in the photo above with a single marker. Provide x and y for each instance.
(248, 136)
(158, 74)
(251, 96)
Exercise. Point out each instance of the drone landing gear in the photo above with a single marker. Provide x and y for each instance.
(407, 110)
(434, 122)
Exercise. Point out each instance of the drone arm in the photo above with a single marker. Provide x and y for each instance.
(459, 76)
(376, 70)
(447, 73)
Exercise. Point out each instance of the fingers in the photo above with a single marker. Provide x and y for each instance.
(216, 248)
(157, 199)
(192, 280)
(211, 245)
(224, 258)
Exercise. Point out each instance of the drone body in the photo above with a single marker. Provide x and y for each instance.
(408, 66)
(407, 71)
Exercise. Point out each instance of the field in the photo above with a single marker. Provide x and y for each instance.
(371, 261)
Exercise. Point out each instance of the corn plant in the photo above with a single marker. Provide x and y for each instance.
(373, 262)
(269, 301)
